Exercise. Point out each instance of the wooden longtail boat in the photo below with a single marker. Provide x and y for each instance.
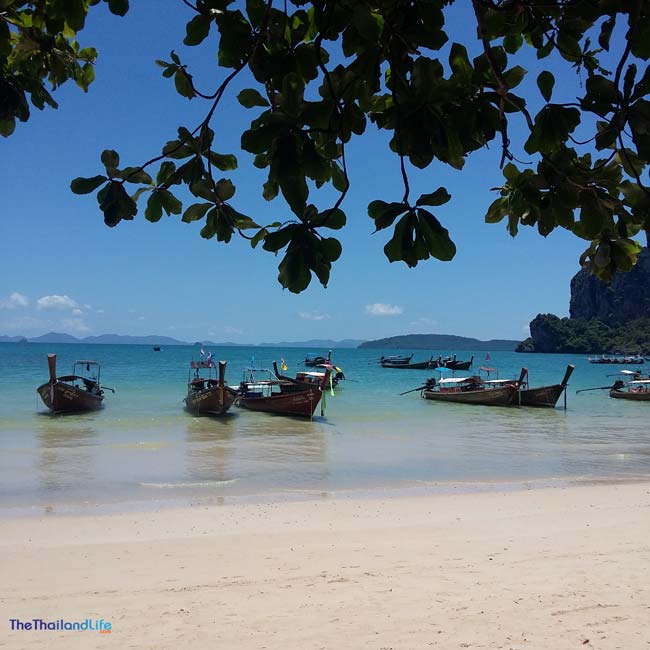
(283, 396)
(474, 390)
(453, 364)
(544, 395)
(638, 391)
(407, 365)
(72, 393)
(207, 395)
(395, 359)
(316, 361)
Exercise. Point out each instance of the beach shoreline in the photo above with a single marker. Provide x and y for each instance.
(564, 567)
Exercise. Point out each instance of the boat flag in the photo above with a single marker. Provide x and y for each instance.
(202, 351)
(209, 357)
(488, 357)
(283, 365)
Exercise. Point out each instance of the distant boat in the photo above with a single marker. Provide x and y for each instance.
(80, 391)
(630, 359)
(404, 363)
(207, 395)
(394, 359)
(543, 395)
(156, 348)
(316, 360)
(283, 395)
(454, 364)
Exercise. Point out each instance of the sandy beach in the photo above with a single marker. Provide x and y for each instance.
(552, 568)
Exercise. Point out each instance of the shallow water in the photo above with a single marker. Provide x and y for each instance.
(143, 448)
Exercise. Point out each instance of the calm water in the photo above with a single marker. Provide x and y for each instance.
(144, 450)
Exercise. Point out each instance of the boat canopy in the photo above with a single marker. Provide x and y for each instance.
(629, 372)
(644, 382)
(454, 380)
(499, 381)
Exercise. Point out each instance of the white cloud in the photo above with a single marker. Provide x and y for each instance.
(100, 311)
(313, 315)
(56, 302)
(15, 301)
(77, 312)
(232, 330)
(383, 309)
(75, 325)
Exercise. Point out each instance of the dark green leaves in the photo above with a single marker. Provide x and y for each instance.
(553, 125)
(417, 236)
(87, 185)
(116, 204)
(545, 83)
(251, 97)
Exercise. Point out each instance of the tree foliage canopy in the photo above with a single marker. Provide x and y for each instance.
(323, 72)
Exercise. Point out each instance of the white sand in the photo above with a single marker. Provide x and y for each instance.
(556, 568)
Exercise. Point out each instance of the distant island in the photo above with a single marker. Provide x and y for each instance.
(153, 339)
(603, 318)
(440, 342)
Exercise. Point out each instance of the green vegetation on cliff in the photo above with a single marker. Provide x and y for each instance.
(550, 333)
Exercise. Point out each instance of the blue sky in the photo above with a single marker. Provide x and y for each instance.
(62, 269)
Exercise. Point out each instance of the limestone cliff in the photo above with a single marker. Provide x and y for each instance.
(627, 298)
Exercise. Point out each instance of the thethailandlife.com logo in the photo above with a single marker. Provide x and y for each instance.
(62, 624)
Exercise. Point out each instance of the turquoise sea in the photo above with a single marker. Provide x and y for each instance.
(144, 451)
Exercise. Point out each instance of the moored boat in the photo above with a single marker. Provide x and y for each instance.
(543, 395)
(455, 364)
(474, 390)
(634, 359)
(206, 394)
(637, 390)
(77, 392)
(283, 395)
(314, 360)
(408, 365)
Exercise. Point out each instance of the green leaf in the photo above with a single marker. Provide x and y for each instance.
(153, 211)
(197, 29)
(183, 84)
(225, 189)
(223, 162)
(251, 97)
(439, 197)
(118, 7)
(384, 213)
(86, 185)
(110, 158)
(169, 202)
(545, 83)
(196, 211)
(116, 204)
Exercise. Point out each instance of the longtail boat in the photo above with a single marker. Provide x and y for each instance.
(206, 394)
(629, 359)
(474, 390)
(408, 365)
(637, 390)
(544, 395)
(454, 364)
(316, 361)
(283, 395)
(393, 359)
(80, 391)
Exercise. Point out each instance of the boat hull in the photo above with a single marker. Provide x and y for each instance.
(423, 365)
(546, 396)
(642, 396)
(302, 403)
(211, 401)
(64, 398)
(505, 396)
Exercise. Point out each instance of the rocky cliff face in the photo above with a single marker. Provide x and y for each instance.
(627, 298)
